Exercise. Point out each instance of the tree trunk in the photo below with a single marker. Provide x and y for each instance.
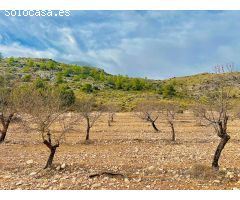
(154, 126)
(51, 156)
(2, 136)
(221, 145)
(88, 132)
(5, 124)
(173, 132)
(112, 118)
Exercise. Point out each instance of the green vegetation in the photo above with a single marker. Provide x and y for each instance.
(123, 90)
(26, 78)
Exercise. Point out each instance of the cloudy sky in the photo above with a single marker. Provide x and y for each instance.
(153, 44)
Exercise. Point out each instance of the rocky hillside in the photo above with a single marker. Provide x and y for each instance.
(85, 79)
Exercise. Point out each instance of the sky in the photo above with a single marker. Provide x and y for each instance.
(152, 44)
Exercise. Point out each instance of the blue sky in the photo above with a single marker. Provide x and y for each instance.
(153, 44)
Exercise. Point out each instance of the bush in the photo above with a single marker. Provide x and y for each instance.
(67, 96)
(204, 172)
(27, 78)
(11, 61)
(59, 78)
(39, 83)
(169, 91)
(87, 88)
(30, 63)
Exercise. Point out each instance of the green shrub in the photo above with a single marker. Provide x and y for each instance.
(87, 88)
(26, 78)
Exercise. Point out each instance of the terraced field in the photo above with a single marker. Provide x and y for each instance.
(127, 155)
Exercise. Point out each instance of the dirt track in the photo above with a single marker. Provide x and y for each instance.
(147, 159)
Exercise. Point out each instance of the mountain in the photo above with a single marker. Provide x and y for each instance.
(124, 90)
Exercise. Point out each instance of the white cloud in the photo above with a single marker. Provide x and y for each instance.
(156, 44)
(20, 51)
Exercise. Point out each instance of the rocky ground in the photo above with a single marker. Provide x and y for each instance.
(127, 155)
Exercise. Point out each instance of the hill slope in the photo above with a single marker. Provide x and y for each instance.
(123, 90)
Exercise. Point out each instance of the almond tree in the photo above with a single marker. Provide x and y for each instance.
(149, 111)
(7, 109)
(42, 111)
(111, 110)
(214, 108)
(171, 110)
(88, 111)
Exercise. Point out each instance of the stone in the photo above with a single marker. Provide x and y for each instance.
(151, 168)
(63, 166)
(96, 185)
(139, 180)
(126, 180)
(229, 175)
(29, 162)
(58, 168)
(33, 173)
(106, 178)
(19, 183)
(216, 181)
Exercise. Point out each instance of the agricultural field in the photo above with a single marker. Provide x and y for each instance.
(129, 154)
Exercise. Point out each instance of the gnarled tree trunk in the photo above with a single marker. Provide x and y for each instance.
(52, 149)
(218, 151)
(88, 130)
(88, 134)
(2, 135)
(222, 133)
(154, 126)
(173, 132)
(109, 122)
(51, 157)
(5, 125)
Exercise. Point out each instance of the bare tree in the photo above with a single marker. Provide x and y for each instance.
(7, 109)
(149, 111)
(42, 111)
(88, 110)
(171, 109)
(111, 110)
(195, 109)
(214, 108)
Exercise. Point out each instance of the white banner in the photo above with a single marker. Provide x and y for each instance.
(120, 4)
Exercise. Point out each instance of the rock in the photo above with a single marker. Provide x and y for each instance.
(33, 173)
(63, 166)
(126, 180)
(229, 175)
(106, 178)
(19, 183)
(29, 162)
(136, 150)
(96, 185)
(216, 181)
(151, 168)
(58, 168)
(139, 180)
